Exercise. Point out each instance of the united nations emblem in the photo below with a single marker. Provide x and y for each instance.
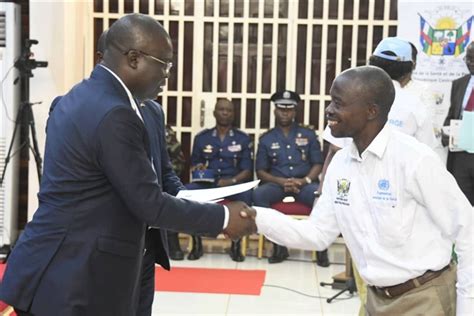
(383, 184)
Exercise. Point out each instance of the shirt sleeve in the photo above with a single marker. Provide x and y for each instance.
(315, 149)
(317, 232)
(433, 186)
(196, 154)
(262, 157)
(246, 163)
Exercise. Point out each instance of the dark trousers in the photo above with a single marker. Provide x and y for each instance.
(147, 286)
(463, 172)
(267, 194)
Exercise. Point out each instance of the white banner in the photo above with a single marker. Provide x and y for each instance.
(441, 31)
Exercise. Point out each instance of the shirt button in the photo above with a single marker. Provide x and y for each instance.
(220, 149)
(219, 170)
(291, 167)
(220, 159)
(289, 157)
(288, 146)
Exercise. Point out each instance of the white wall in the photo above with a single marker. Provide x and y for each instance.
(61, 28)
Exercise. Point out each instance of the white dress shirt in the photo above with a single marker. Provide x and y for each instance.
(135, 108)
(410, 115)
(398, 209)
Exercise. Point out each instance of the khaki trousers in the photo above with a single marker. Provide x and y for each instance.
(436, 297)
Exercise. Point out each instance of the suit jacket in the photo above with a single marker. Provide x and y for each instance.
(154, 121)
(458, 89)
(82, 252)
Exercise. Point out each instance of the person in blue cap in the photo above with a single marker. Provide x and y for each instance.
(221, 156)
(288, 162)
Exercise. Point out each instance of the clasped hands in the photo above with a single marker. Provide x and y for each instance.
(292, 185)
(241, 220)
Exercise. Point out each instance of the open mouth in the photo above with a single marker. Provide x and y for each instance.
(332, 123)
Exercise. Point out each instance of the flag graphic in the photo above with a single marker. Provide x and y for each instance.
(463, 35)
(444, 41)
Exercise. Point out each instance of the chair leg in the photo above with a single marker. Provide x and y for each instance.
(244, 245)
(261, 242)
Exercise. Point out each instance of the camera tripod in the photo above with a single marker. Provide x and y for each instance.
(25, 114)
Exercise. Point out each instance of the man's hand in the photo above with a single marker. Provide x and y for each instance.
(199, 166)
(241, 220)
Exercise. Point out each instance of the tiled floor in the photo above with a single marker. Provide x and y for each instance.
(298, 274)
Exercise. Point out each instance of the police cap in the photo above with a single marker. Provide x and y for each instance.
(285, 99)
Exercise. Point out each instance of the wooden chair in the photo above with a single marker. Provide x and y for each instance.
(294, 209)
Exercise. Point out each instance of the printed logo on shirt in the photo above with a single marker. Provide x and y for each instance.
(398, 123)
(383, 194)
(343, 186)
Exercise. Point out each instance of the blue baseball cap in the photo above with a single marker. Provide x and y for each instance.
(393, 48)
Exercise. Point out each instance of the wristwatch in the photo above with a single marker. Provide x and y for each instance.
(308, 180)
(234, 180)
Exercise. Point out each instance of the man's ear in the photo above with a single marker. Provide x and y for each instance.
(132, 58)
(373, 111)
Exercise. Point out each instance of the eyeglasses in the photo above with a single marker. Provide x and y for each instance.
(168, 64)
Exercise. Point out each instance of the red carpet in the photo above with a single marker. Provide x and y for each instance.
(195, 280)
(200, 280)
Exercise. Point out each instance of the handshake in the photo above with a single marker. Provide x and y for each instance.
(241, 220)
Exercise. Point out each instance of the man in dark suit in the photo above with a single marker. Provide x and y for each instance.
(82, 252)
(461, 164)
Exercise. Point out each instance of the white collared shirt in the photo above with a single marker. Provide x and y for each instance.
(340, 142)
(410, 115)
(398, 209)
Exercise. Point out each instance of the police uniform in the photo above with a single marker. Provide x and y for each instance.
(287, 157)
(290, 156)
(223, 160)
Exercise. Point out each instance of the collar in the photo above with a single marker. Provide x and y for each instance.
(133, 104)
(230, 132)
(376, 147)
(397, 84)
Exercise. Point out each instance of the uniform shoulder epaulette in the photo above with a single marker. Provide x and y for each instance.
(203, 131)
(239, 131)
(265, 133)
(307, 126)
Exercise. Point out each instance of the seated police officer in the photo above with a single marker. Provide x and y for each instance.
(288, 162)
(221, 156)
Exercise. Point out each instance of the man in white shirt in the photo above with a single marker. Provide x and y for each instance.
(397, 207)
(409, 114)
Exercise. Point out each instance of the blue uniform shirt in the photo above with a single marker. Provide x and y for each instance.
(288, 157)
(228, 157)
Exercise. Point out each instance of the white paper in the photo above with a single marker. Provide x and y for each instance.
(454, 127)
(208, 195)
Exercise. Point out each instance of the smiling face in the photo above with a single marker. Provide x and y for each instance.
(360, 102)
(347, 113)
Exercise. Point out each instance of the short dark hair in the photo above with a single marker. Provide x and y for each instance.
(395, 69)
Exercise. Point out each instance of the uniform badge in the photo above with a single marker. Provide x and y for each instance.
(234, 148)
(286, 95)
(301, 141)
(207, 149)
(275, 146)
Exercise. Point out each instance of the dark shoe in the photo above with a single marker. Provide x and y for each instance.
(280, 253)
(197, 251)
(174, 247)
(235, 251)
(322, 259)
